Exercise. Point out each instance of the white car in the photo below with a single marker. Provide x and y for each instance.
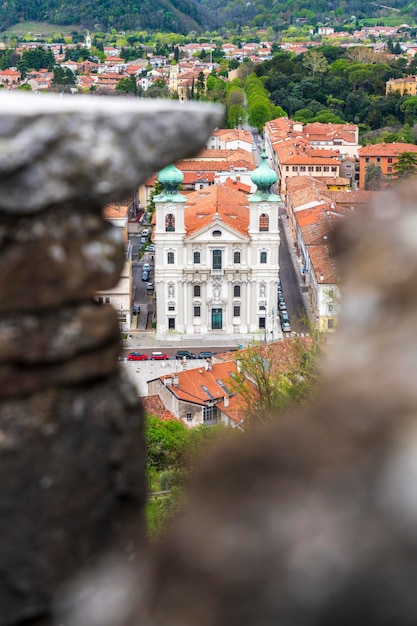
(286, 327)
(146, 267)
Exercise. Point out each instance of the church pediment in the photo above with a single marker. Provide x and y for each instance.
(217, 231)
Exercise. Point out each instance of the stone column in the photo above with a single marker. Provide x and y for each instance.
(72, 455)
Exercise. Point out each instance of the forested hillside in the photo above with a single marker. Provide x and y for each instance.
(180, 16)
(264, 13)
(183, 16)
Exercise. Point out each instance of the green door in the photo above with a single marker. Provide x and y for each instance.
(216, 319)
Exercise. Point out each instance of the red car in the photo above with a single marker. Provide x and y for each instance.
(137, 356)
(159, 356)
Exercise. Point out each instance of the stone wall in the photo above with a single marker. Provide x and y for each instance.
(72, 455)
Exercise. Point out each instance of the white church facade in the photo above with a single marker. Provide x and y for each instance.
(216, 260)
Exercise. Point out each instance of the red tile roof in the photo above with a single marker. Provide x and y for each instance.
(387, 149)
(230, 205)
(191, 383)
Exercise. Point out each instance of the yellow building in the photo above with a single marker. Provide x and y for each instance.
(406, 85)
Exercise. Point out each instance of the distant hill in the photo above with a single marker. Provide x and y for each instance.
(183, 16)
(264, 13)
(180, 16)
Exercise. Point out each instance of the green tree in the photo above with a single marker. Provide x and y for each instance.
(157, 189)
(127, 85)
(166, 442)
(266, 388)
(315, 62)
(406, 166)
(373, 177)
(63, 76)
(236, 115)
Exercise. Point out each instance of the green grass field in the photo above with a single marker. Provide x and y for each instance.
(392, 20)
(21, 29)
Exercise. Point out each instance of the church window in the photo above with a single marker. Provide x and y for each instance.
(263, 257)
(170, 258)
(197, 256)
(236, 256)
(236, 291)
(197, 291)
(217, 259)
(217, 233)
(169, 223)
(264, 223)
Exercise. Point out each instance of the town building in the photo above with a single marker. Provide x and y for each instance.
(120, 296)
(216, 259)
(230, 139)
(406, 85)
(385, 155)
(202, 395)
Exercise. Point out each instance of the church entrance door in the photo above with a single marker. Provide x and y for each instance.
(216, 319)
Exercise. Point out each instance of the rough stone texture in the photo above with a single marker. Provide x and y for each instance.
(314, 521)
(64, 255)
(57, 335)
(88, 149)
(71, 484)
(72, 453)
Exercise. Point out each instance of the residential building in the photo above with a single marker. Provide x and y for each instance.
(405, 85)
(202, 395)
(120, 296)
(385, 155)
(230, 139)
(296, 158)
(216, 259)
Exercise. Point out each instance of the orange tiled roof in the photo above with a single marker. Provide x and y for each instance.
(204, 205)
(355, 196)
(387, 149)
(230, 156)
(236, 184)
(153, 405)
(228, 134)
(113, 211)
(312, 216)
(335, 180)
(212, 166)
(324, 265)
(191, 382)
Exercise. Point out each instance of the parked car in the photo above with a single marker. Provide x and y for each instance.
(151, 247)
(284, 316)
(145, 232)
(205, 354)
(143, 240)
(145, 275)
(146, 267)
(137, 356)
(185, 354)
(135, 309)
(149, 286)
(286, 327)
(159, 356)
(281, 305)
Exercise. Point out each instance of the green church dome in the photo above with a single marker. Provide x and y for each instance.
(264, 176)
(170, 177)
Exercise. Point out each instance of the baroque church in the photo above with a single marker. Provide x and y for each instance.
(216, 259)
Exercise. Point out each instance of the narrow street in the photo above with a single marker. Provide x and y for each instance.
(291, 280)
